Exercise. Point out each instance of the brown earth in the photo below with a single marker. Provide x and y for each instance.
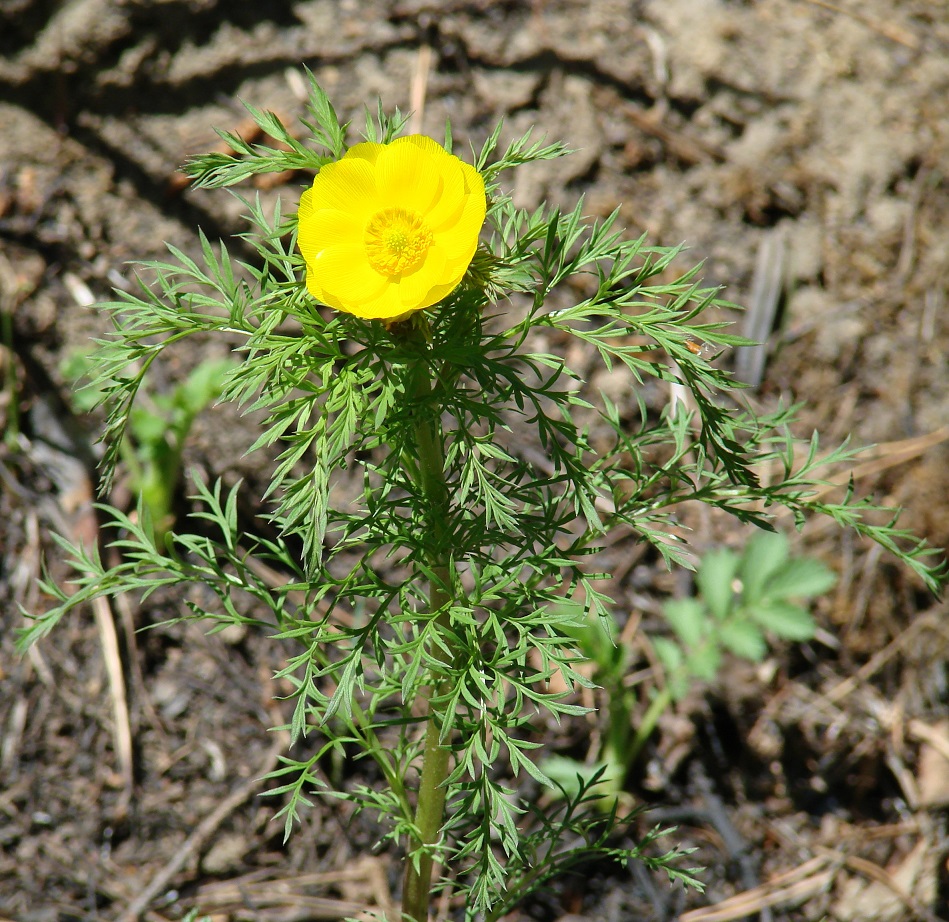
(798, 141)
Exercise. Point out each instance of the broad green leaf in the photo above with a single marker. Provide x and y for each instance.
(203, 385)
(687, 618)
(788, 621)
(669, 653)
(763, 555)
(714, 578)
(672, 659)
(744, 639)
(800, 577)
(704, 663)
(146, 426)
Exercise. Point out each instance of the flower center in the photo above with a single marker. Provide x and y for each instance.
(396, 241)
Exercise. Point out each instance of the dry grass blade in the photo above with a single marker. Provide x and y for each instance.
(931, 620)
(420, 89)
(888, 30)
(791, 888)
(202, 832)
(113, 666)
(860, 901)
(763, 308)
(359, 883)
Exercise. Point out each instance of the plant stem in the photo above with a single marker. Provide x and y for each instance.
(430, 809)
(658, 704)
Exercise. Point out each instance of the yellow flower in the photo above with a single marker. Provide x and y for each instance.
(390, 228)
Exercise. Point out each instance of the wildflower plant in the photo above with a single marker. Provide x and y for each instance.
(390, 228)
(394, 327)
(157, 429)
(740, 600)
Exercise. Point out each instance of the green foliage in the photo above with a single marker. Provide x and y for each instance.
(575, 830)
(158, 426)
(217, 170)
(742, 599)
(193, 916)
(454, 579)
(611, 661)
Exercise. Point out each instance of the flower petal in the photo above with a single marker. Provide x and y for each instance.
(461, 240)
(321, 229)
(365, 150)
(410, 183)
(408, 176)
(449, 205)
(387, 306)
(347, 185)
(414, 289)
(344, 272)
(306, 205)
(446, 214)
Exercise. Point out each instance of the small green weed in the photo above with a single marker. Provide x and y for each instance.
(158, 428)
(741, 600)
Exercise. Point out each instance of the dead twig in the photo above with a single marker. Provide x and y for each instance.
(420, 89)
(687, 149)
(202, 832)
(763, 308)
(874, 872)
(926, 734)
(359, 883)
(888, 30)
(122, 731)
(932, 620)
(793, 887)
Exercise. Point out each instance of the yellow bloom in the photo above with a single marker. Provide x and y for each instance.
(390, 228)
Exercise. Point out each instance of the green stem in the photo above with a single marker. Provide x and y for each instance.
(429, 812)
(430, 809)
(658, 704)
